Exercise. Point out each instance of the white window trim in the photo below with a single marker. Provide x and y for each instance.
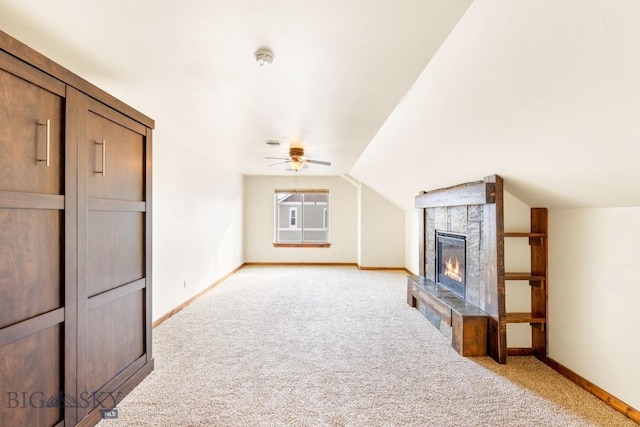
(298, 208)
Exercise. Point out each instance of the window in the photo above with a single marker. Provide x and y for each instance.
(302, 217)
(293, 217)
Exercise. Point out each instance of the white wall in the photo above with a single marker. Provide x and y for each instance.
(197, 223)
(412, 240)
(259, 220)
(594, 290)
(381, 231)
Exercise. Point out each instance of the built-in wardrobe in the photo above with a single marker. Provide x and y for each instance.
(75, 244)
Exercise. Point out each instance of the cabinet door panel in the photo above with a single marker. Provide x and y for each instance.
(121, 152)
(24, 110)
(116, 339)
(31, 379)
(116, 249)
(30, 272)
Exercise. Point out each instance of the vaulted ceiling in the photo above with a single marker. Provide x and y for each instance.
(544, 93)
(404, 95)
(340, 67)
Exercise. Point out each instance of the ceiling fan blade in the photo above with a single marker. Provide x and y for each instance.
(277, 158)
(318, 162)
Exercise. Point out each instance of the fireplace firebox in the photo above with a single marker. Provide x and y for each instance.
(450, 262)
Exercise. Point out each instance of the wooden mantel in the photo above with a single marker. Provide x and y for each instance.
(473, 193)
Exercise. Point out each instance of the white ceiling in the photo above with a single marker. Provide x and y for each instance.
(545, 93)
(340, 67)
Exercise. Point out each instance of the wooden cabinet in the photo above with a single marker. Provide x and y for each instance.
(75, 244)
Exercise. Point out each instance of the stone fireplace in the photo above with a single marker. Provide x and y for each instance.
(460, 287)
(457, 283)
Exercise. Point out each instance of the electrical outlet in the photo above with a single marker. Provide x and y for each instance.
(184, 286)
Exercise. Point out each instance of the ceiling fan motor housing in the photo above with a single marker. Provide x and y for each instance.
(296, 152)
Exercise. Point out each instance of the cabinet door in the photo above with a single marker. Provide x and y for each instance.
(31, 245)
(113, 250)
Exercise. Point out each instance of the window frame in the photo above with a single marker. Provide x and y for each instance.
(296, 215)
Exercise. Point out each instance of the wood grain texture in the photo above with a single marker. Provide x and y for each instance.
(124, 150)
(422, 239)
(31, 373)
(31, 279)
(523, 234)
(71, 255)
(301, 245)
(24, 109)
(539, 224)
(115, 249)
(523, 318)
(20, 330)
(31, 74)
(473, 193)
(19, 199)
(519, 351)
(116, 205)
(116, 340)
(116, 293)
(148, 248)
(523, 276)
(492, 273)
(469, 334)
(130, 382)
(468, 323)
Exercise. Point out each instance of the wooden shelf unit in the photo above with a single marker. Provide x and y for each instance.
(524, 276)
(537, 278)
(523, 234)
(524, 318)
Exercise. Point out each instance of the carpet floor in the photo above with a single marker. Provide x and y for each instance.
(336, 346)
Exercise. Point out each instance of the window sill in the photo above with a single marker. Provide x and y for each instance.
(302, 245)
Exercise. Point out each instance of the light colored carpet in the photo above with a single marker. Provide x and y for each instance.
(335, 346)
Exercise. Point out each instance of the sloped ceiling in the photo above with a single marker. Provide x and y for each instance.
(340, 68)
(544, 93)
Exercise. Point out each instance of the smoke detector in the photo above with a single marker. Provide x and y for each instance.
(264, 57)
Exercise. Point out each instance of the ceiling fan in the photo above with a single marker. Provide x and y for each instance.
(297, 160)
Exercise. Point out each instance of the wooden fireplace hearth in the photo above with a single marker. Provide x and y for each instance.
(467, 322)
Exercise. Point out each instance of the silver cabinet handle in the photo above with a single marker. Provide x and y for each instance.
(104, 157)
(47, 157)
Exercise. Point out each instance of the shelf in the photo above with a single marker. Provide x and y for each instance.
(523, 276)
(523, 318)
(524, 234)
(520, 351)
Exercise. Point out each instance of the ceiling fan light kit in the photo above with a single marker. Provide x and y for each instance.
(264, 57)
